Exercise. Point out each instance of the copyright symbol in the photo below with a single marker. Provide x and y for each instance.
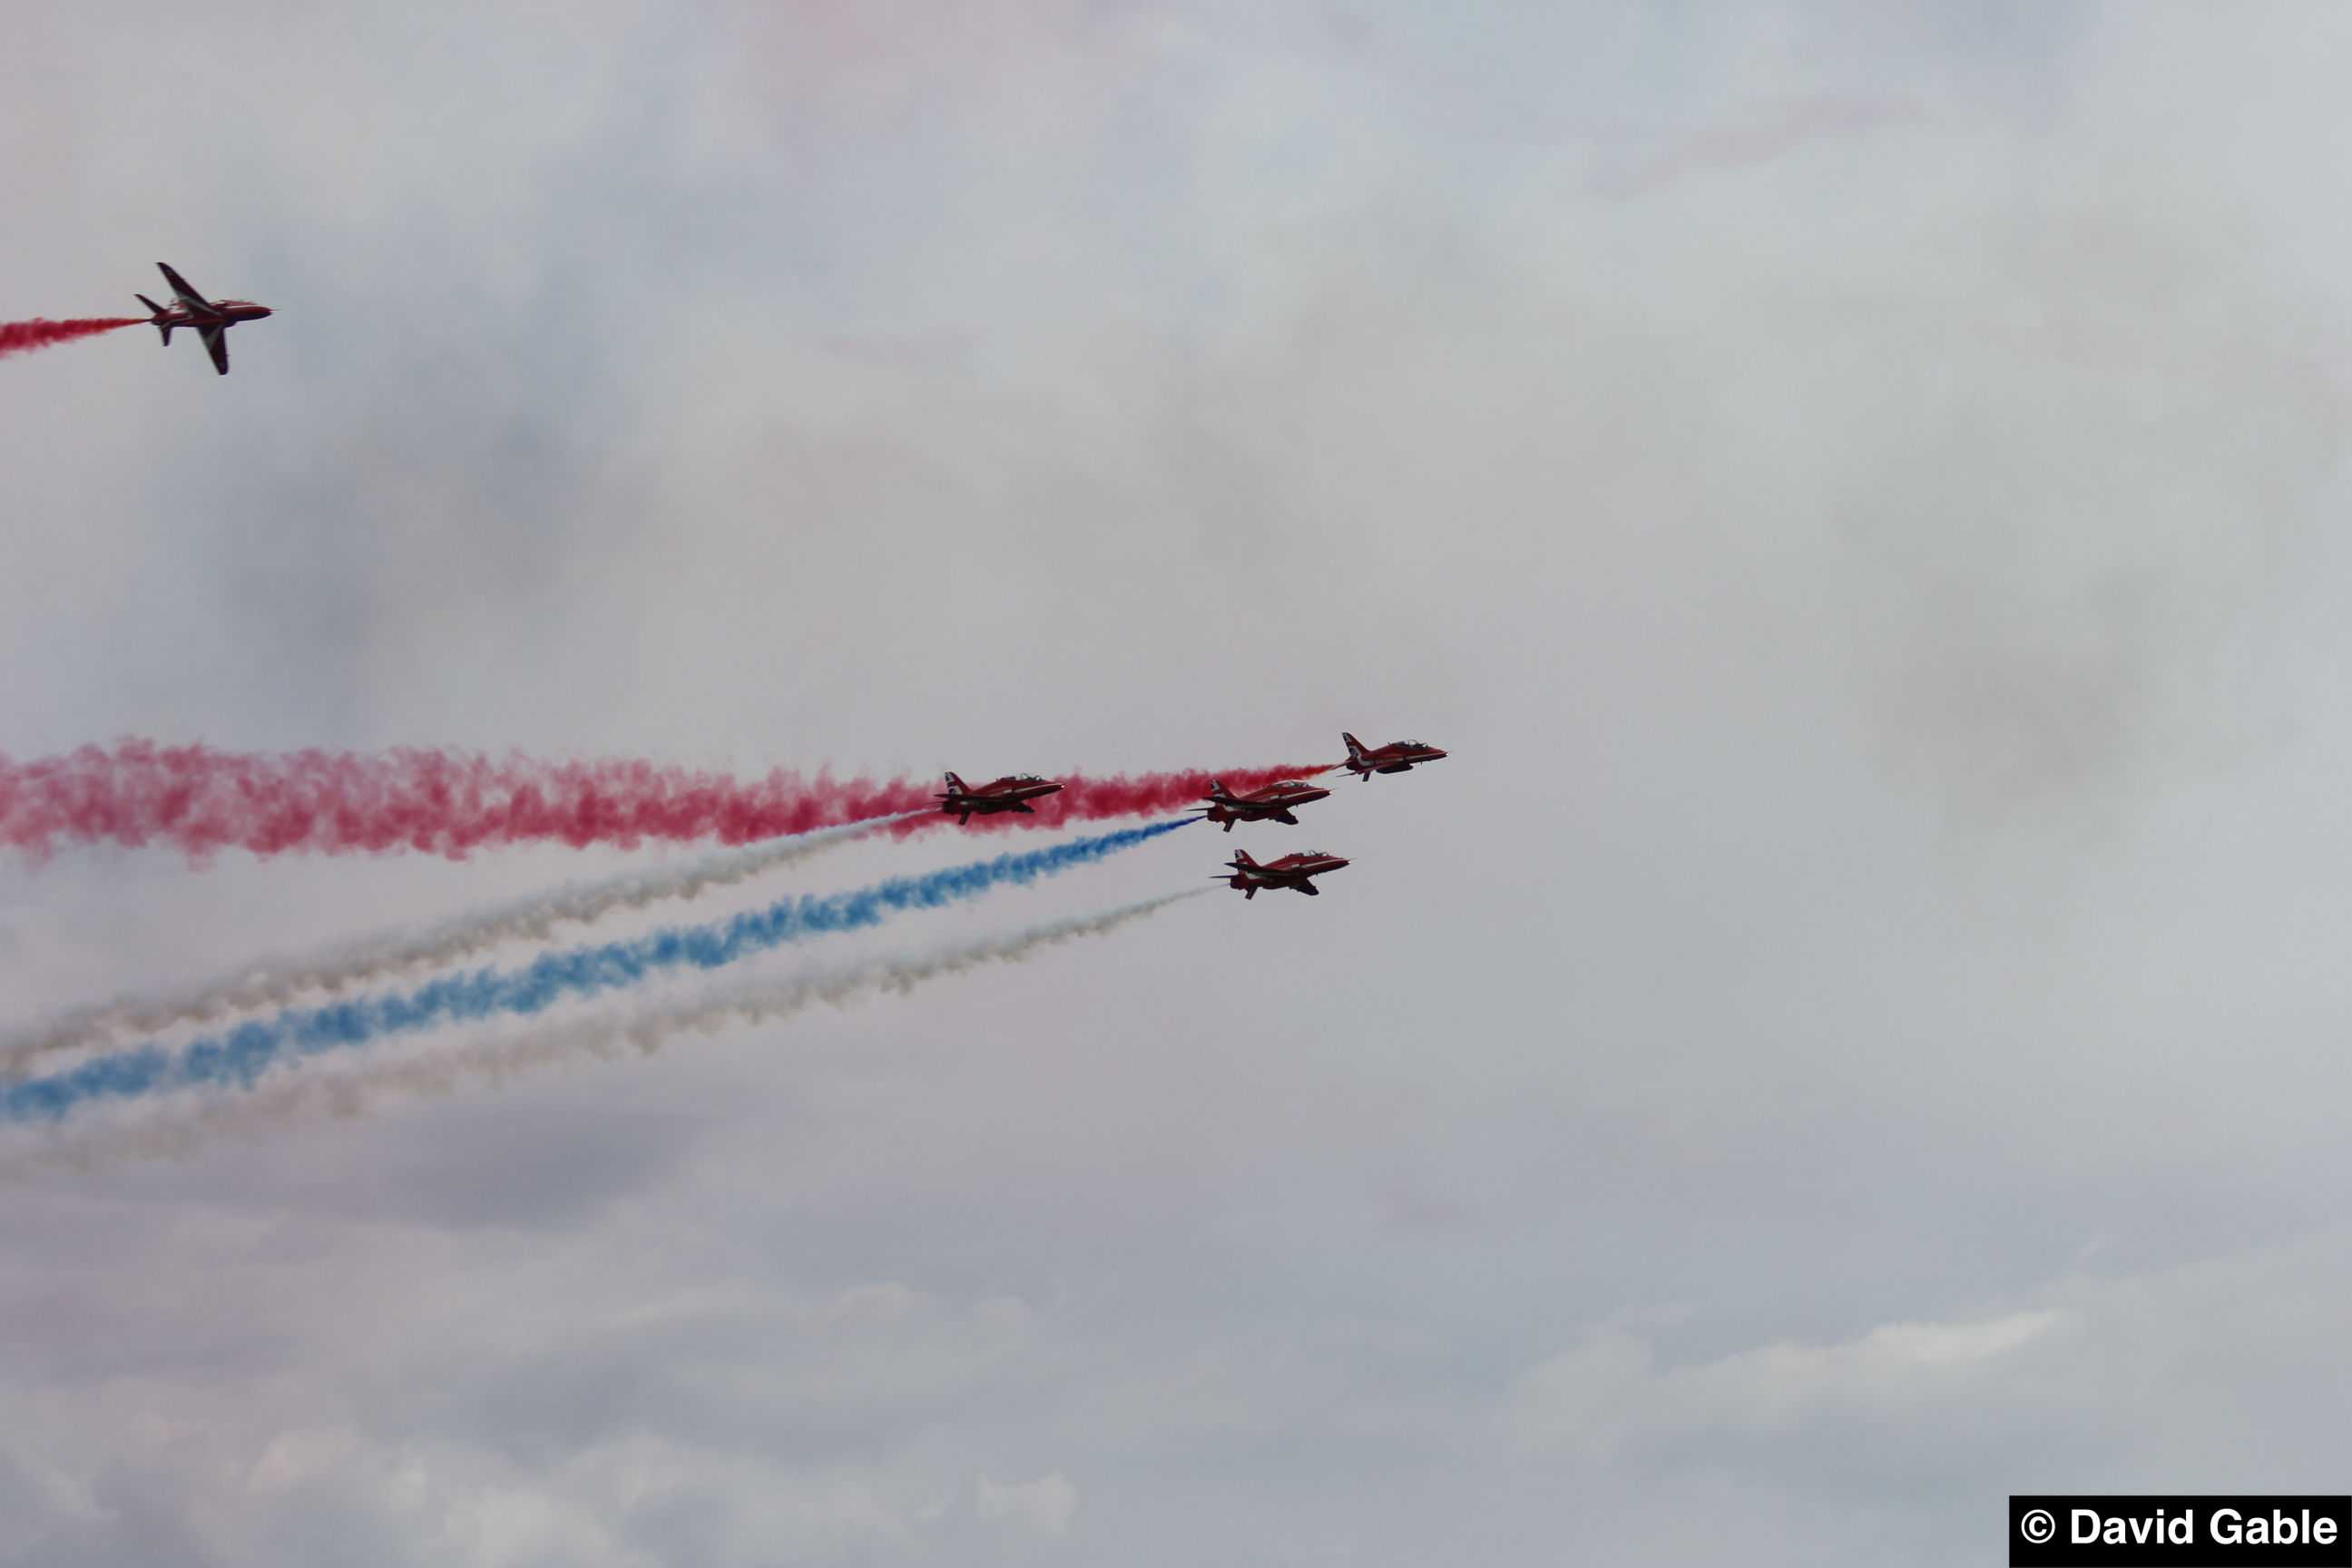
(2037, 1526)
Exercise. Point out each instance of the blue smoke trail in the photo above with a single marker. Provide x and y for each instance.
(243, 1053)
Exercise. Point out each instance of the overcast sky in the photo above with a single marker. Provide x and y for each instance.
(1855, 1029)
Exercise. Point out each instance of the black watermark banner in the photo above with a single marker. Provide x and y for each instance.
(2181, 1531)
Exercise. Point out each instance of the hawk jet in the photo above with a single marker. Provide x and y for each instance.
(1271, 803)
(211, 318)
(1397, 757)
(1290, 871)
(963, 801)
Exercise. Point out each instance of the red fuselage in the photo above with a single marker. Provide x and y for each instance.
(1396, 757)
(964, 801)
(1291, 871)
(1271, 803)
(223, 313)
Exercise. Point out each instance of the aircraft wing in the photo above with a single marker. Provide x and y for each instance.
(216, 341)
(180, 286)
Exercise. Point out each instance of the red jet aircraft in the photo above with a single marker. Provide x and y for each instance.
(211, 318)
(1290, 871)
(1397, 757)
(962, 801)
(1271, 803)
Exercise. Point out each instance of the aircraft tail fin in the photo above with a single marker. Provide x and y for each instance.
(1355, 747)
(955, 784)
(155, 310)
(1241, 858)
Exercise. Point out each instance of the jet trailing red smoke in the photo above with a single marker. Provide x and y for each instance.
(201, 800)
(22, 337)
(1084, 799)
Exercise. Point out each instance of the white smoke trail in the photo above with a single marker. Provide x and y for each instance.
(195, 1119)
(274, 983)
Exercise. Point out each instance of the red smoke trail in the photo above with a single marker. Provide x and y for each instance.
(200, 801)
(21, 337)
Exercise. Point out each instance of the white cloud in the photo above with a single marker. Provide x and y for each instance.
(1608, 1399)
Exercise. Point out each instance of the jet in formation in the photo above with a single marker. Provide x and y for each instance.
(1290, 871)
(1271, 803)
(1397, 757)
(210, 319)
(963, 801)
